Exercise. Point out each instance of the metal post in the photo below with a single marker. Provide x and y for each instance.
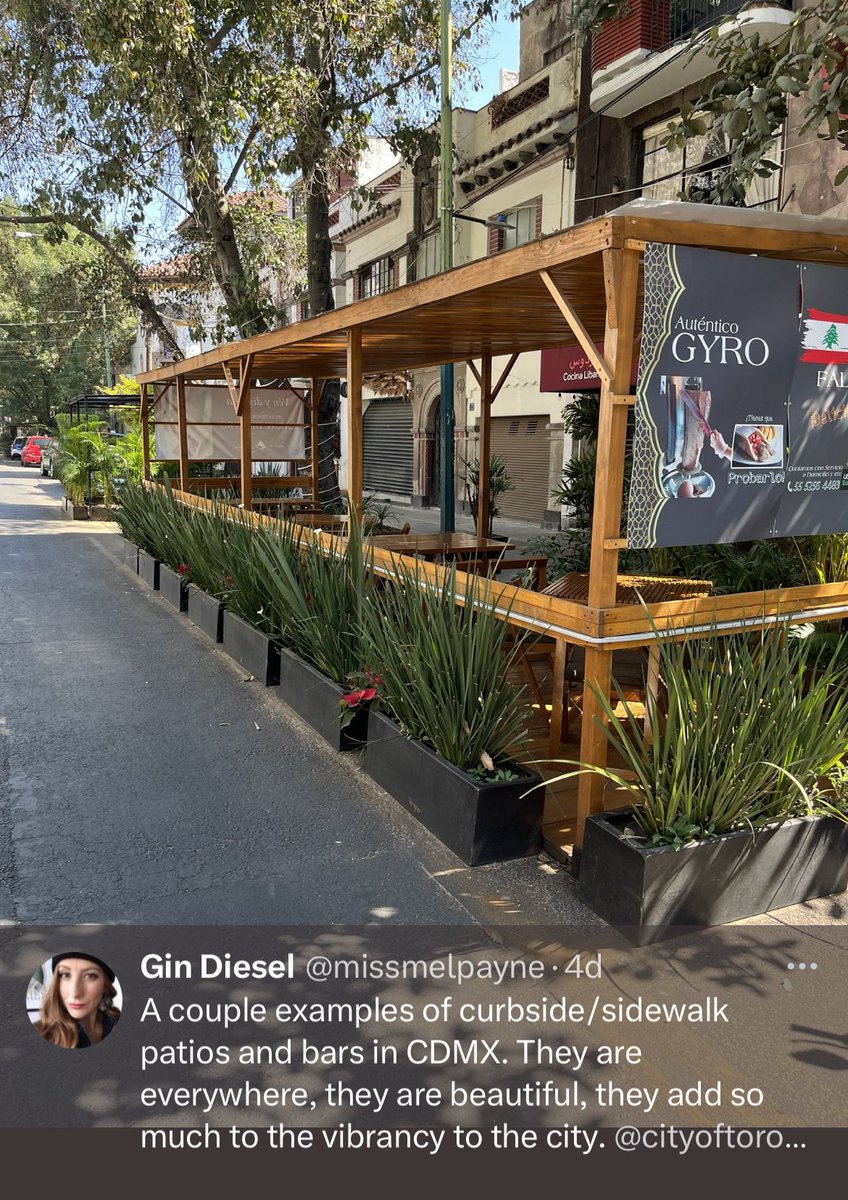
(448, 520)
(106, 354)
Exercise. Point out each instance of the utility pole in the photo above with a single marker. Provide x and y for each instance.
(448, 521)
(106, 354)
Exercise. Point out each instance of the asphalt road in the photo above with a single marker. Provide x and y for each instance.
(144, 779)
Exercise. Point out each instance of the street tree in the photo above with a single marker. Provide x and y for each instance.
(745, 101)
(62, 309)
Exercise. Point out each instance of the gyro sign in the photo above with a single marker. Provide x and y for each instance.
(742, 400)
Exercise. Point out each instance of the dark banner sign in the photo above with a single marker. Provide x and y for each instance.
(742, 406)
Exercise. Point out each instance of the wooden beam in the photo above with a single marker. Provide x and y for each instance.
(484, 453)
(474, 372)
(354, 414)
(504, 376)
(245, 380)
(615, 543)
(228, 376)
(576, 325)
(621, 278)
(627, 401)
(162, 392)
(145, 432)
(182, 434)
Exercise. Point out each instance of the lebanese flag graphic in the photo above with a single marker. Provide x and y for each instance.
(825, 337)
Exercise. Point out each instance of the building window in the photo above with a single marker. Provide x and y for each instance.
(515, 226)
(665, 172)
(428, 258)
(377, 277)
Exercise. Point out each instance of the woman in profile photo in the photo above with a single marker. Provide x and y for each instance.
(77, 1009)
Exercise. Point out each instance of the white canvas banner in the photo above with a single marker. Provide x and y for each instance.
(213, 428)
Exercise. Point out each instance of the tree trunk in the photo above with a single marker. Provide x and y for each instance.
(321, 299)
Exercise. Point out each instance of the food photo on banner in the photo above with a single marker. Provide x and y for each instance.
(742, 400)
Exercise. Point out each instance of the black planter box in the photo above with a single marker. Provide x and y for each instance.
(254, 650)
(173, 588)
(128, 553)
(148, 569)
(480, 822)
(206, 612)
(658, 892)
(318, 700)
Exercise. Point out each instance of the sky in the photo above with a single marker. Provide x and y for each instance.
(501, 52)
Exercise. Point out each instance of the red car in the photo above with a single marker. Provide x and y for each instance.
(31, 453)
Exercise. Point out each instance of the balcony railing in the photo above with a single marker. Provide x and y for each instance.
(655, 25)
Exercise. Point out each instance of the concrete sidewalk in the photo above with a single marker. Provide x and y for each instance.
(144, 779)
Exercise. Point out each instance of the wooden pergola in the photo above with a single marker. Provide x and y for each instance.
(583, 284)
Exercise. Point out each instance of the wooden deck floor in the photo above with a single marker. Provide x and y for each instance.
(560, 816)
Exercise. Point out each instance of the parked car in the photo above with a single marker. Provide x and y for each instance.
(49, 455)
(17, 446)
(31, 453)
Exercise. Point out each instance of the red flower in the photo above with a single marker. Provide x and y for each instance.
(183, 569)
(362, 696)
(228, 580)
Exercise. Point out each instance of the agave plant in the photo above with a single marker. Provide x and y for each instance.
(744, 737)
(318, 598)
(444, 667)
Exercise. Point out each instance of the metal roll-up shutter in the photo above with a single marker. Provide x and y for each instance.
(525, 446)
(387, 447)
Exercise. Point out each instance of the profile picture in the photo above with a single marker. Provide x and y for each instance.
(74, 1000)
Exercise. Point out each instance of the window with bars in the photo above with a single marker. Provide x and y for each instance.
(666, 171)
(377, 277)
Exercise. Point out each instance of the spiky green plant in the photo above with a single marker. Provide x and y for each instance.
(319, 598)
(444, 667)
(742, 739)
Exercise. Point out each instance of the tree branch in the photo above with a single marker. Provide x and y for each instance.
(249, 140)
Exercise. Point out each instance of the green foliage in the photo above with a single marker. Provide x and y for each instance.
(52, 322)
(743, 737)
(126, 385)
(746, 103)
(443, 669)
(320, 599)
(500, 481)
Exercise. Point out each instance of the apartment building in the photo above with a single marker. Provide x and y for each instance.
(514, 169)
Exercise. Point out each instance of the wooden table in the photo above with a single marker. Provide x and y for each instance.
(458, 546)
(335, 522)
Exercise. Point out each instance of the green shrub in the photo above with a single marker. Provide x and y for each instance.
(444, 668)
(743, 738)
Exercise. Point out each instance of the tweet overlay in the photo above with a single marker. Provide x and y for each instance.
(554, 1043)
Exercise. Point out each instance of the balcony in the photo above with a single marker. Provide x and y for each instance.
(642, 55)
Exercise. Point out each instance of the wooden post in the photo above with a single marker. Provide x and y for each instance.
(145, 432)
(183, 433)
(354, 416)
(484, 451)
(317, 392)
(244, 416)
(621, 278)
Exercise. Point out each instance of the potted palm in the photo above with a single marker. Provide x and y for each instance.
(500, 481)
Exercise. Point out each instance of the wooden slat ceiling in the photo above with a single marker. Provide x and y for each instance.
(499, 305)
